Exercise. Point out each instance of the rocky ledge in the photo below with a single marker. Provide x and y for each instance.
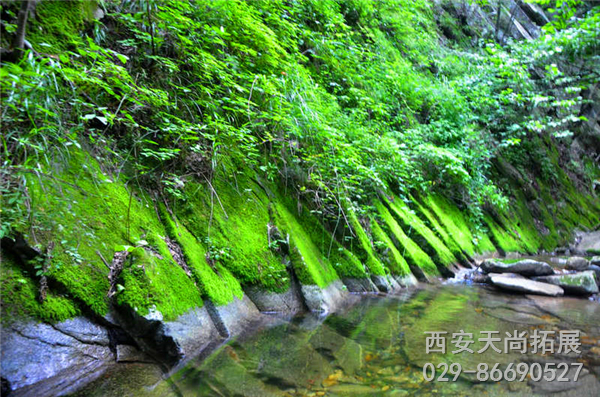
(580, 277)
(40, 359)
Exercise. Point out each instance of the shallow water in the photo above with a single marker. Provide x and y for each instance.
(377, 347)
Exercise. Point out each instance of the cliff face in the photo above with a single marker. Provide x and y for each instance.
(306, 152)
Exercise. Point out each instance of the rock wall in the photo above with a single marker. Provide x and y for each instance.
(130, 279)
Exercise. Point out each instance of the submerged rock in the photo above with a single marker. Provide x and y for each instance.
(526, 286)
(526, 267)
(577, 263)
(583, 283)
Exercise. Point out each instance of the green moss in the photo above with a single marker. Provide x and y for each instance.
(153, 278)
(57, 25)
(310, 264)
(454, 222)
(362, 246)
(87, 214)
(216, 282)
(420, 233)
(407, 248)
(239, 225)
(523, 224)
(388, 252)
(19, 297)
(502, 238)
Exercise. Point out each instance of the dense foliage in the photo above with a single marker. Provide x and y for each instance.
(338, 99)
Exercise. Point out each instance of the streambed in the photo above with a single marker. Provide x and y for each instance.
(378, 347)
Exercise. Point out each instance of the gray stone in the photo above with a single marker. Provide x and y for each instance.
(526, 267)
(290, 301)
(513, 315)
(171, 341)
(39, 359)
(596, 270)
(577, 263)
(326, 299)
(360, 285)
(381, 283)
(584, 381)
(84, 331)
(595, 261)
(526, 286)
(509, 275)
(407, 281)
(583, 283)
(131, 354)
(589, 241)
(235, 316)
(346, 352)
(578, 313)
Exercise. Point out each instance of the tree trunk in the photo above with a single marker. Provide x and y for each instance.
(19, 40)
(498, 12)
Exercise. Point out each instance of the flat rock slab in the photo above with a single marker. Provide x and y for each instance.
(40, 359)
(583, 283)
(577, 263)
(578, 313)
(526, 267)
(596, 269)
(526, 286)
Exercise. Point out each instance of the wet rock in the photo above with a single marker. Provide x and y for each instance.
(169, 341)
(596, 270)
(131, 354)
(233, 317)
(595, 261)
(360, 285)
(381, 283)
(40, 359)
(577, 313)
(585, 381)
(351, 390)
(526, 267)
(290, 301)
(347, 354)
(526, 286)
(480, 278)
(513, 315)
(577, 263)
(286, 358)
(326, 299)
(508, 275)
(231, 378)
(407, 281)
(583, 283)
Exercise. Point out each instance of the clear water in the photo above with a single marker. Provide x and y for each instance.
(377, 347)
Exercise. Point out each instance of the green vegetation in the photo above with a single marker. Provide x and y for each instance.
(310, 264)
(408, 248)
(261, 136)
(420, 233)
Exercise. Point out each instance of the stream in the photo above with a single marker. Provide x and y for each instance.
(378, 347)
